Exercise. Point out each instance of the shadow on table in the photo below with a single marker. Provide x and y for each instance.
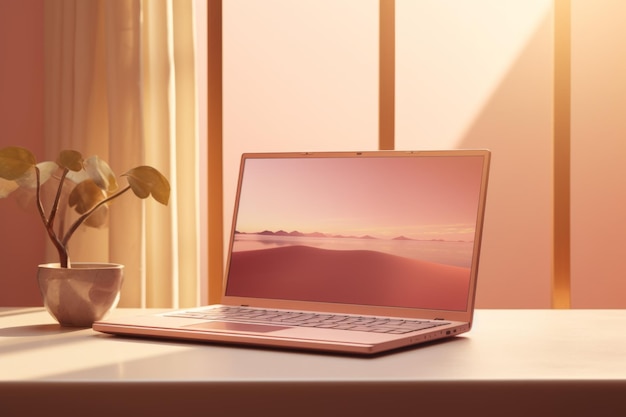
(37, 330)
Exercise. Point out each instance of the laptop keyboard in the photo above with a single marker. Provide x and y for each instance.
(304, 319)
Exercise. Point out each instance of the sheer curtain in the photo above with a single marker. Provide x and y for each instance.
(121, 83)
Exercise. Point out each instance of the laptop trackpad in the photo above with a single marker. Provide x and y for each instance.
(235, 327)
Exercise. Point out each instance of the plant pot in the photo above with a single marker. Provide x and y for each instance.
(82, 294)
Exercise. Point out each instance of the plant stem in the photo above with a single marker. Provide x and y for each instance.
(57, 199)
(60, 247)
(88, 213)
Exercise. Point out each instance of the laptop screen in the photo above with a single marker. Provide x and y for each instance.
(380, 231)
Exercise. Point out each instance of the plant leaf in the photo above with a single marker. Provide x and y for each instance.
(101, 173)
(145, 180)
(7, 187)
(15, 162)
(46, 169)
(71, 160)
(29, 179)
(85, 195)
(99, 217)
(77, 176)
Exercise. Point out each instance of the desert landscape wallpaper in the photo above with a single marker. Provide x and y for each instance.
(376, 231)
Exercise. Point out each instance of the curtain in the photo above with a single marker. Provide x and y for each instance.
(120, 84)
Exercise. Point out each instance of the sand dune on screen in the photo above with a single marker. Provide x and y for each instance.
(347, 276)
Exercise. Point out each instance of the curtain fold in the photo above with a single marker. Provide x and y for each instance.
(120, 83)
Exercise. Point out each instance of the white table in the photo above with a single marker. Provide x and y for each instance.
(513, 363)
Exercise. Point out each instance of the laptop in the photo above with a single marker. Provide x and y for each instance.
(352, 252)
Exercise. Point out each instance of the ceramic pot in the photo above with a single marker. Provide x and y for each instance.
(82, 294)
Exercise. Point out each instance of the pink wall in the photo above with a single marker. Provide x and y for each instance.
(478, 74)
(21, 123)
(483, 81)
(507, 108)
(598, 171)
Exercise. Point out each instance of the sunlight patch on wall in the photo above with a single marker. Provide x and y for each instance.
(451, 56)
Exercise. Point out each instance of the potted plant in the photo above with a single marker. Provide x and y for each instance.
(76, 294)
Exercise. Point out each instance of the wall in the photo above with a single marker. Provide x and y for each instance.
(298, 76)
(598, 171)
(468, 75)
(21, 123)
(479, 74)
